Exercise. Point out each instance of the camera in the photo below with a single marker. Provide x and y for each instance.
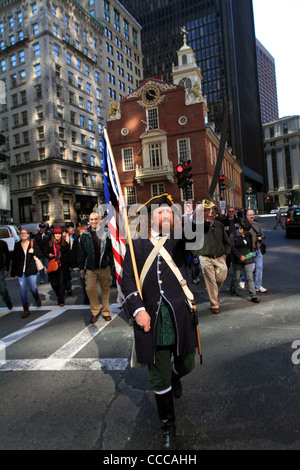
(261, 236)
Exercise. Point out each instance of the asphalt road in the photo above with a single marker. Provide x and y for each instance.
(68, 385)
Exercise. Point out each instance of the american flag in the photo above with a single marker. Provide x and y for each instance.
(116, 223)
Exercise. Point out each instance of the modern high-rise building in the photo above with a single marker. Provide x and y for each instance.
(267, 84)
(222, 35)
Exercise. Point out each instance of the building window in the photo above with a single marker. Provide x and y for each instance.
(42, 154)
(45, 210)
(63, 176)
(33, 8)
(40, 131)
(56, 50)
(127, 157)
(35, 29)
(39, 112)
(157, 189)
(130, 195)
(66, 209)
(36, 49)
(37, 70)
(183, 148)
(189, 195)
(38, 91)
(43, 176)
(85, 179)
(152, 118)
(155, 155)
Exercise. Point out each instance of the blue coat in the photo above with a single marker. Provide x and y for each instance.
(160, 283)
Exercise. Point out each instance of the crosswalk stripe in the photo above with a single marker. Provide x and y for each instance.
(63, 358)
(55, 364)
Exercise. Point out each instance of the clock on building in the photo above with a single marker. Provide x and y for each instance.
(150, 94)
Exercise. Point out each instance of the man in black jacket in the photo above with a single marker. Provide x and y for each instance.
(4, 269)
(43, 238)
(213, 254)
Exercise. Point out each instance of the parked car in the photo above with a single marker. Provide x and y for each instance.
(9, 234)
(292, 223)
(32, 228)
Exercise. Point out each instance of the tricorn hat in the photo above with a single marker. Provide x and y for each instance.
(207, 204)
(164, 199)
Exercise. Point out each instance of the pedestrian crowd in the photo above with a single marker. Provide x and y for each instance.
(54, 253)
(229, 240)
(156, 271)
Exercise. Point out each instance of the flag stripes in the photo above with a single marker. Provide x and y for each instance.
(116, 222)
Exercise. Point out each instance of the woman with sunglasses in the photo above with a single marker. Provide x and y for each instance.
(24, 267)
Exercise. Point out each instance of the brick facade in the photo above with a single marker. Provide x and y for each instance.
(180, 121)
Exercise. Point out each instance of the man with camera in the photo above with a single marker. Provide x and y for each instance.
(257, 239)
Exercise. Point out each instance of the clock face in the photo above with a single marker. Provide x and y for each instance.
(150, 94)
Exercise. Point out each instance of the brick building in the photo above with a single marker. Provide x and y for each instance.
(160, 124)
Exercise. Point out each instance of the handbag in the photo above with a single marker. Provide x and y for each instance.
(52, 266)
(39, 265)
(263, 248)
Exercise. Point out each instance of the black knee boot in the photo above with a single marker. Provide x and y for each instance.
(165, 408)
(176, 385)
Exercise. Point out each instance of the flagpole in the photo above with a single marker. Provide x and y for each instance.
(129, 239)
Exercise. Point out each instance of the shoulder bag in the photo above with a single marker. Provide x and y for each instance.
(39, 265)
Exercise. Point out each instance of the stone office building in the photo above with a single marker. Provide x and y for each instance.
(282, 158)
(58, 85)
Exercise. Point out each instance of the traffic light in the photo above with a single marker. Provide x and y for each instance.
(221, 184)
(179, 176)
(187, 173)
(183, 175)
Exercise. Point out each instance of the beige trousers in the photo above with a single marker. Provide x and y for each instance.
(93, 279)
(214, 272)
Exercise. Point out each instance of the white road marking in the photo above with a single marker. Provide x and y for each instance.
(63, 364)
(34, 325)
(63, 358)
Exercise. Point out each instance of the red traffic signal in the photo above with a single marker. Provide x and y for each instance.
(221, 183)
(179, 169)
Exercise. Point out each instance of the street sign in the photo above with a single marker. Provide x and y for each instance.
(222, 204)
(188, 207)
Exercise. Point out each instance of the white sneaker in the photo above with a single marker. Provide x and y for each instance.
(261, 289)
(242, 285)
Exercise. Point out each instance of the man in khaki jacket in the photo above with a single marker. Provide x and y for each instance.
(213, 255)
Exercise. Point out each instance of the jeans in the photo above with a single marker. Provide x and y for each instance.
(259, 264)
(32, 279)
(45, 262)
(237, 269)
(3, 289)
